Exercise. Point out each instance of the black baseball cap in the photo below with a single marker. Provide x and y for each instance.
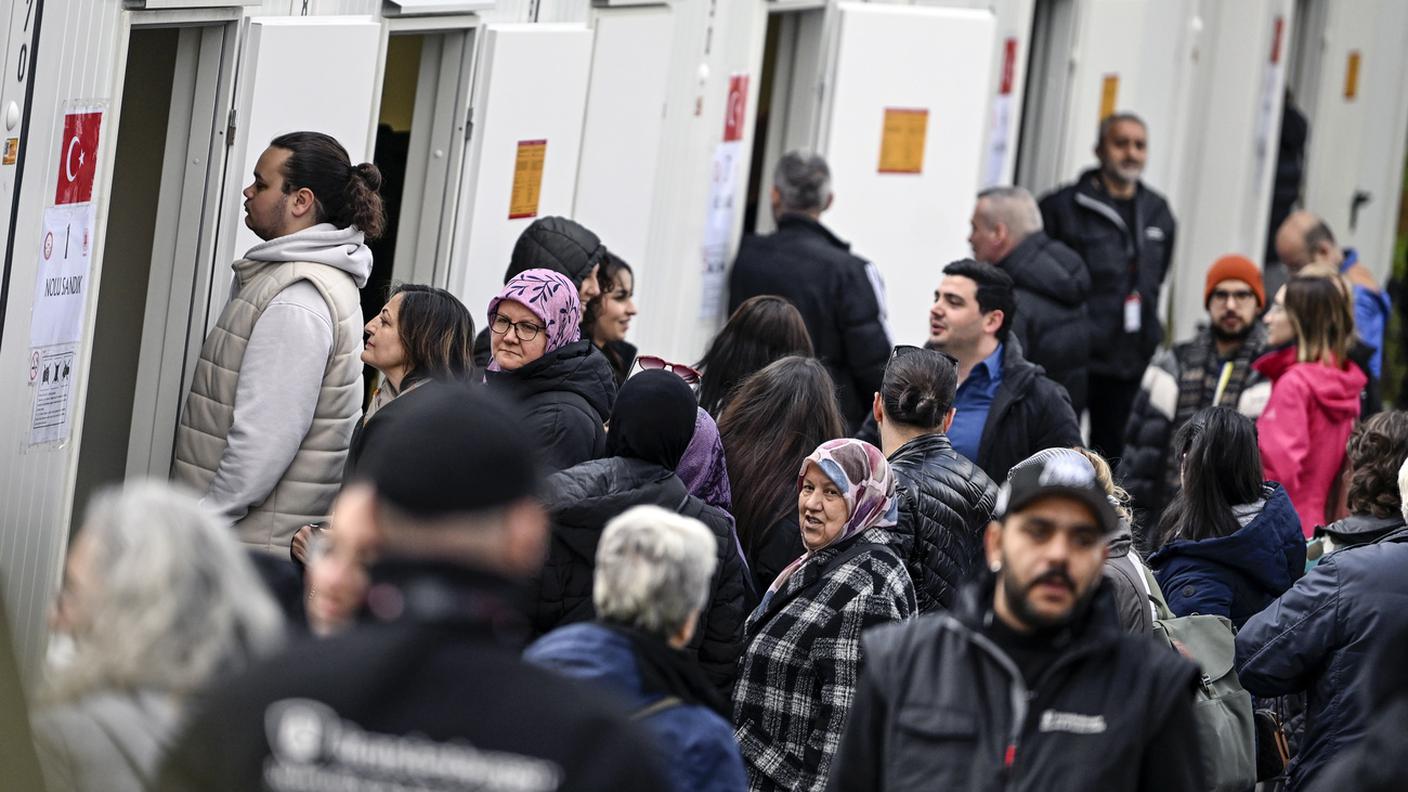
(1056, 471)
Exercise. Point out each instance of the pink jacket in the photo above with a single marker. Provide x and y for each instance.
(1304, 428)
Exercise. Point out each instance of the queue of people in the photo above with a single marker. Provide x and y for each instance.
(543, 558)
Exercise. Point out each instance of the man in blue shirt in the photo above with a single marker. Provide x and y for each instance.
(1007, 408)
(1305, 239)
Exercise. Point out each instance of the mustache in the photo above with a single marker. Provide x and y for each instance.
(1054, 576)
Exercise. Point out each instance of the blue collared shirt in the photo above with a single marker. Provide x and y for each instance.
(973, 400)
(1371, 313)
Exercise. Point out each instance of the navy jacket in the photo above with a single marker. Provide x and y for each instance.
(1235, 576)
(1320, 636)
(696, 744)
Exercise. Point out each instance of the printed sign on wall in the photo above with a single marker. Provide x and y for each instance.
(902, 141)
(61, 284)
(527, 179)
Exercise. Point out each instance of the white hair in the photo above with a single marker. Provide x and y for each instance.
(1013, 207)
(803, 181)
(173, 600)
(1403, 487)
(653, 569)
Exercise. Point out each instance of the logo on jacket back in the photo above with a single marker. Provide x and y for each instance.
(1075, 723)
(1154, 234)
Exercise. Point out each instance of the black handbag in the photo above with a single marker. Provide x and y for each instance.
(1273, 753)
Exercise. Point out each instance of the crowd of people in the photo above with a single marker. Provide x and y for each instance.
(539, 559)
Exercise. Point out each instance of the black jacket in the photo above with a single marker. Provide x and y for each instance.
(439, 676)
(1028, 413)
(583, 499)
(805, 263)
(940, 706)
(1051, 285)
(780, 546)
(1319, 636)
(1121, 261)
(566, 398)
(945, 505)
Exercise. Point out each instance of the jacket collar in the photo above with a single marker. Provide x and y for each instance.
(797, 221)
(1094, 627)
(922, 446)
(1018, 374)
(414, 591)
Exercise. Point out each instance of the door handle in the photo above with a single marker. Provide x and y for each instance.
(1360, 198)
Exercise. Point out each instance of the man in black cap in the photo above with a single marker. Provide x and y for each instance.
(1029, 683)
(429, 691)
(561, 245)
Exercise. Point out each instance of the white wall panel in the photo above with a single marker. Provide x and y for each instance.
(621, 138)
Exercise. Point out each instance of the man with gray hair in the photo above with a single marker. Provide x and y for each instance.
(835, 290)
(652, 581)
(1050, 282)
(1124, 231)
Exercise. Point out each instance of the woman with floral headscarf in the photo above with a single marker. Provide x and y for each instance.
(796, 679)
(561, 382)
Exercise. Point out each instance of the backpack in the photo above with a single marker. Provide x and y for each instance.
(1222, 708)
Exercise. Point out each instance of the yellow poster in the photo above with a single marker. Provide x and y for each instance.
(527, 179)
(1351, 76)
(902, 143)
(1109, 95)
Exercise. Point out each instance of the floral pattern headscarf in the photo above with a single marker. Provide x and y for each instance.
(859, 470)
(552, 298)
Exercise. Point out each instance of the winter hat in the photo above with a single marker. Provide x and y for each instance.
(458, 452)
(653, 419)
(1234, 267)
(552, 298)
(558, 244)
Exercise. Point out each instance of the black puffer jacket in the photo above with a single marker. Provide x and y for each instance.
(566, 398)
(815, 271)
(1121, 261)
(945, 504)
(583, 499)
(1029, 412)
(1052, 284)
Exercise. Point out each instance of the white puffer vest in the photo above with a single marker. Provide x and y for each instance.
(305, 492)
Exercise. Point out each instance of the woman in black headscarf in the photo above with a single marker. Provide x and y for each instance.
(652, 425)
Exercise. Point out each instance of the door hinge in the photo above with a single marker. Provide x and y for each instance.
(469, 125)
(230, 124)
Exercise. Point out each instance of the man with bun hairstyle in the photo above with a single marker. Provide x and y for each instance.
(429, 690)
(278, 387)
(1213, 368)
(1028, 682)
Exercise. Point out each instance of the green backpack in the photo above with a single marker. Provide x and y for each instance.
(1223, 708)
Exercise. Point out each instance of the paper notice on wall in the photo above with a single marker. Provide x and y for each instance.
(1351, 76)
(52, 393)
(718, 230)
(999, 134)
(527, 179)
(1267, 100)
(902, 141)
(1109, 95)
(61, 284)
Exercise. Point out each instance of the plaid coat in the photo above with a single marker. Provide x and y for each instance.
(798, 675)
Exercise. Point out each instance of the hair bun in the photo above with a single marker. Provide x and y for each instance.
(369, 174)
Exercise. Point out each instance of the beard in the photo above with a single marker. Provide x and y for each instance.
(1021, 607)
(1226, 335)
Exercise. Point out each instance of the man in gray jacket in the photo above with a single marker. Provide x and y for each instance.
(277, 390)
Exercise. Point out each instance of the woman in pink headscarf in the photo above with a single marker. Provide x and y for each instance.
(561, 382)
(796, 679)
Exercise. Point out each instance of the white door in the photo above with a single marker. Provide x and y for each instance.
(297, 73)
(904, 197)
(1358, 111)
(531, 91)
(621, 133)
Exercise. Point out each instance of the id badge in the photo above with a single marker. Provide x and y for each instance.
(1132, 313)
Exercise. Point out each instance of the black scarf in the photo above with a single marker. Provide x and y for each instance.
(671, 671)
(653, 419)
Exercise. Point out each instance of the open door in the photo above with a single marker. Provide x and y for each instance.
(315, 73)
(525, 142)
(1358, 112)
(905, 143)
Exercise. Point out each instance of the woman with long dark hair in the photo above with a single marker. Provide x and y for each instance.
(1229, 543)
(779, 415)
(762, 330)
(1315, 392)
(607, 317)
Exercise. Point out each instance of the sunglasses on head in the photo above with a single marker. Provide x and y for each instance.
(689, 375)
(901, 350)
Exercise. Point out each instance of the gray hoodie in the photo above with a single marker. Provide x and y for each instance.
(283, 369)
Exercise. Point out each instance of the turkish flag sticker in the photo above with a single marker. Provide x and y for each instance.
(78, 157)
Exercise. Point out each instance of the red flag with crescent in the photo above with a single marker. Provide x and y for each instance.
(78, 157)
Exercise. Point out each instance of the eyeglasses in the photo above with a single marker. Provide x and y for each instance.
(527, 331)
(689, 375)
(901, 350)
(1240, 296)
